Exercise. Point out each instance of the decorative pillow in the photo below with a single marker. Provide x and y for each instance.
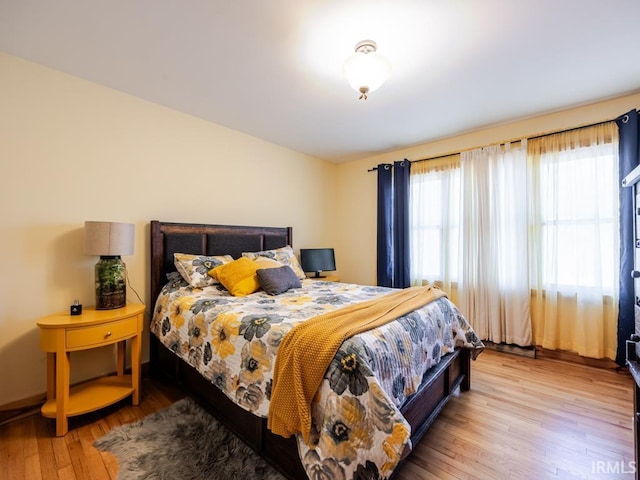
(283, 255)
(195, 268)
(265, 262)
(174, 277)
(238, 276)
(275, 281)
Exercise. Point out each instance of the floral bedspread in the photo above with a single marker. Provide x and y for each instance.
(359, 431)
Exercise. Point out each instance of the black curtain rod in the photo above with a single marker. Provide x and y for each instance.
(508, 141)
(403, 160)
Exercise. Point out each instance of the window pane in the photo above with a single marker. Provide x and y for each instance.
(434, 224)
(430, 265)
(578, 206)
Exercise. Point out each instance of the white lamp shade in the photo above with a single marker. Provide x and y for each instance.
(366, 70)
(108, 238)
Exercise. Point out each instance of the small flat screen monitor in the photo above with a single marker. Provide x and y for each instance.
(317, 260)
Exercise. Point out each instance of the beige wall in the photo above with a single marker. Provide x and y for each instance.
(71, 151)
(356, 193)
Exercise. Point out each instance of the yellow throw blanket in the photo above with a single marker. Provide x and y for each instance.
(308, 349)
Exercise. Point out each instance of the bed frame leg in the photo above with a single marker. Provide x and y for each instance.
(466, 365)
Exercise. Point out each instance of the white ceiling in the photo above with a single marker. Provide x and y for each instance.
(273, 68)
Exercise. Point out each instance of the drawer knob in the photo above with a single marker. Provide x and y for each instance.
(108, 334)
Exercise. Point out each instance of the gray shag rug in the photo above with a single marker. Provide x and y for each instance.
(183, 441)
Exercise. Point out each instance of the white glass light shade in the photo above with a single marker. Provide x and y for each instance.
(366, 70)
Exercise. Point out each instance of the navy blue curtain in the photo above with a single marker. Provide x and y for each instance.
(393, 266)
(385, 225)
(401, 261)
(629, 156)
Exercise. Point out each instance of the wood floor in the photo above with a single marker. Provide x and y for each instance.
(523, 419)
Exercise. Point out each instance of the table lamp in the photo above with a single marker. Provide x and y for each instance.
(317, 260)
(110, 240)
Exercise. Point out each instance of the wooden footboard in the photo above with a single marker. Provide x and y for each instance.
(438, 384)
(420, 410)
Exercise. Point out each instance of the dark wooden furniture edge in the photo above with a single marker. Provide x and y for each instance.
(634, 368)
(439, 383)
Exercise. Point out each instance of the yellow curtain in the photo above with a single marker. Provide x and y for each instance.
(574, 253)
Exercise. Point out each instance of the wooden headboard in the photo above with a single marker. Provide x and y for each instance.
(200, 239)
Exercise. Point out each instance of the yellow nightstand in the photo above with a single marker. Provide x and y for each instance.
(326, 278)
(62, 333)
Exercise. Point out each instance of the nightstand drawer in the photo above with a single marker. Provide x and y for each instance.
(106, 333)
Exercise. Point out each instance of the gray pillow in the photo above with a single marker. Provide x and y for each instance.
(275, 281)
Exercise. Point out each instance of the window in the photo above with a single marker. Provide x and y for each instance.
(435, 214)
(578, 217)
(574, 203)
(554, 282)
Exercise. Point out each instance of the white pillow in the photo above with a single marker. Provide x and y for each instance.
(195, 268)
(283, 255)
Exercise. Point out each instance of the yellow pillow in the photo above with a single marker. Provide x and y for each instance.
(239, 276)
(264, 262)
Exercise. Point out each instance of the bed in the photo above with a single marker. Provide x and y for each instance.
(191, 362)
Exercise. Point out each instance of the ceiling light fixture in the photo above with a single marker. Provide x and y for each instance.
(366, 69)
